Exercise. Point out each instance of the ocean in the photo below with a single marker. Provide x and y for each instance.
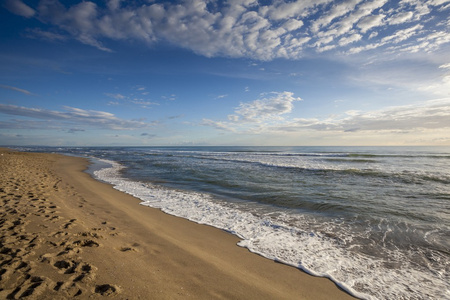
(375, 220)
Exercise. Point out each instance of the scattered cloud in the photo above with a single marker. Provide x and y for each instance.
(401, 18)
(335, 12)
(350, 39)
(370, 22)
(433, 114)
(217, 125)
(267, 108)
(131, 99)
(434, 40)
(12, 88)
(19, 8)
(116, 96)
(143, 103)
(37, 33)
(171, 97)
(83, 119)
(247, 28)
(264, 116)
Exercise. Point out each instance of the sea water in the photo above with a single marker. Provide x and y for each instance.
(375, 220)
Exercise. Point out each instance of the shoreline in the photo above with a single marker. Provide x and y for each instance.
(66, 234)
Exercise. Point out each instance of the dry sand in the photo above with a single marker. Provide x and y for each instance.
(64, 235)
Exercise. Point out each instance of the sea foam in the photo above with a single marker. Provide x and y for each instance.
(288, 238)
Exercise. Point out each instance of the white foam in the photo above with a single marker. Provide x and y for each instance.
(281, 238)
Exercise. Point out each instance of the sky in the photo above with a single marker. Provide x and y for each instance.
(236, 72)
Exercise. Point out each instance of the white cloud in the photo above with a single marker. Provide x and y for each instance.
(133, 98)
(172, 97)
(265, 109)
(402, 35)
(80, 20)
(281, 10)
(434, 40)
(438, 2)
(266, 116)
(256, 116)
(116, 96)
(400, 18)
(71, 116)
(433, 114)
(324, 41)
(217, 125)
(12, 88)
(373, 34)
(430, 115)
(326, 48)
(350, 39)
(143, 103)
(46, 35)
(437, 87)
(346, 24)
(359, 49)
(19, 8)
(336, 11)
(292, 24)
(237, 28)
(370, 22)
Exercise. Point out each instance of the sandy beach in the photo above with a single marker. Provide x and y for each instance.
(64, 235)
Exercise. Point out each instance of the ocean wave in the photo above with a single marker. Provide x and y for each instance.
(310, 244)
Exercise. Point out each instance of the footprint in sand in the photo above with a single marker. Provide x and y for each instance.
(69, 224)
(89, 234)
(65, 266)
(107, 289)
(78, 274)
(88, 243)
(35, 285)
(127, 249)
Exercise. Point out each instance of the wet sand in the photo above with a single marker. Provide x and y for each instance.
(64, 235)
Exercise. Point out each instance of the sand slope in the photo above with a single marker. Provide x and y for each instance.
(64, 235)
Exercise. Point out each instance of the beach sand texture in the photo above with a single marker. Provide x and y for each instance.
(65, 235)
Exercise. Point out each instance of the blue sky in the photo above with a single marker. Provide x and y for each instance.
(238, 72)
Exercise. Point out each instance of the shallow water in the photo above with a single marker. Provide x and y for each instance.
(375, 220)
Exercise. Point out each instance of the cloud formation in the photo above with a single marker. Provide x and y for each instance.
(52, 119)
(265, 109)
(433, 114)
(258, 113)
(19, 8)
(138, 97)
(429, 115)
(250, 28)
(12, 88)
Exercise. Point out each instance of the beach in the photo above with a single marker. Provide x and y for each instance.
(64, 234)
